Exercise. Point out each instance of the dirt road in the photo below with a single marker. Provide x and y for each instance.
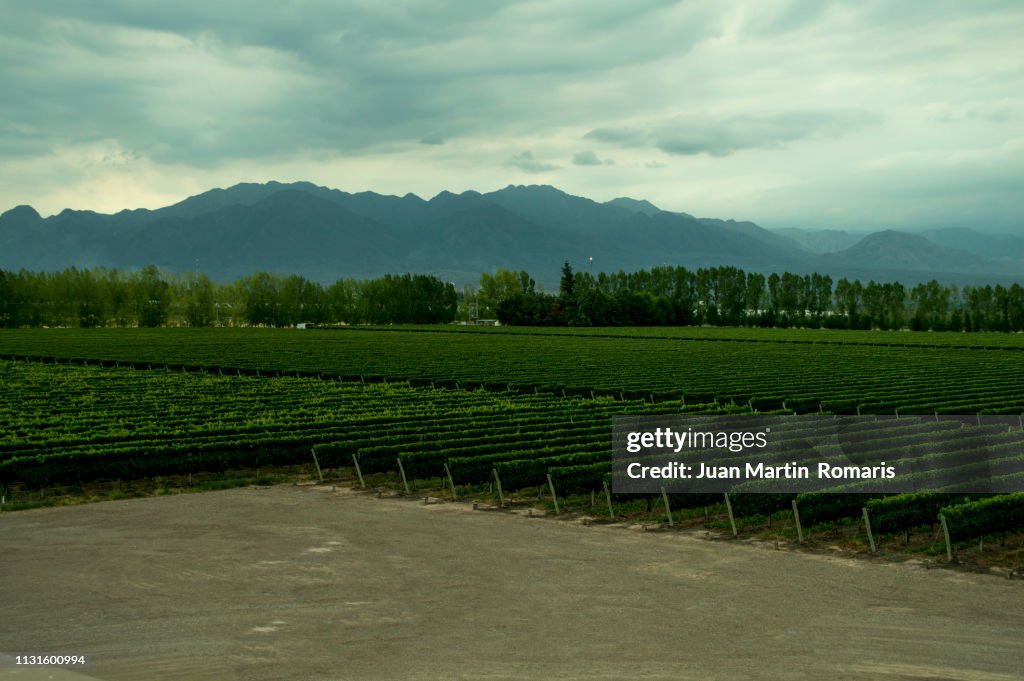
(302, 583)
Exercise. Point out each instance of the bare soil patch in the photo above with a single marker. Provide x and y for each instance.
(295, 582)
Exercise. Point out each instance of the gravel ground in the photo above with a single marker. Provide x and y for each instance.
(304, 583)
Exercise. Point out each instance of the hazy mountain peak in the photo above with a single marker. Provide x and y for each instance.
(890, 249)
(534, 190)
(998, 246)
(634, 206)
(892, 237)
(327, 233)
(23, 213)
(820, 240)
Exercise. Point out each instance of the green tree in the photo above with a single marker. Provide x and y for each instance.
(90, 299)
(503, 284)
(931, 306)
(200, 306)
(152, 297)
(9, 300)
(848, 301)
(567, 284)
(261, 297)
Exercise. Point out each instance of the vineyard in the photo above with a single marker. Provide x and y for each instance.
(494, 410)
(839, 376)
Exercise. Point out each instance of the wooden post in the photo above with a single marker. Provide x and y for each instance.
(359, 473)
(949, 544)
(799, 529)
(867, 524)
(554, 497)
(668, 509)
(497, 481)
(608, 496)
(401, 469)
(732, 518)
(451, 482)
(319, 473)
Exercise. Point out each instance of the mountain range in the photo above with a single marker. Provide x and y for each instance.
(326, 234)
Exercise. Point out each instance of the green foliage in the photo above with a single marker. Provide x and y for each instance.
(760, 503)
(577, 479)
(67, 423)
(152, 297)
(532, 472)
(663, 296)
(200, 310)
(906, 511)
(120, 423)
(406, 299)
(823, 507)
(998, 514)
(149, 298)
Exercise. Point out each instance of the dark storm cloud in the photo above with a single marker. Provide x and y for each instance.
(686, 136)
(103, 99)
(589, 158)
(200, 81)
(526, 162)
(434, 138)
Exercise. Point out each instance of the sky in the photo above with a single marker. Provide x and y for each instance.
(790, 113)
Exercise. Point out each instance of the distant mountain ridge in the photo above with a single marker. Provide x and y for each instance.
(999, 247)
(326, 234)
(821, 240)
(891, 250)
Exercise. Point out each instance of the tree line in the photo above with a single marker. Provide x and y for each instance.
(101, 297)
(662, 296)
(728, 296)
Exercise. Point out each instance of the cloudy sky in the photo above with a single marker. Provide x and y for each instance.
(786, 112)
